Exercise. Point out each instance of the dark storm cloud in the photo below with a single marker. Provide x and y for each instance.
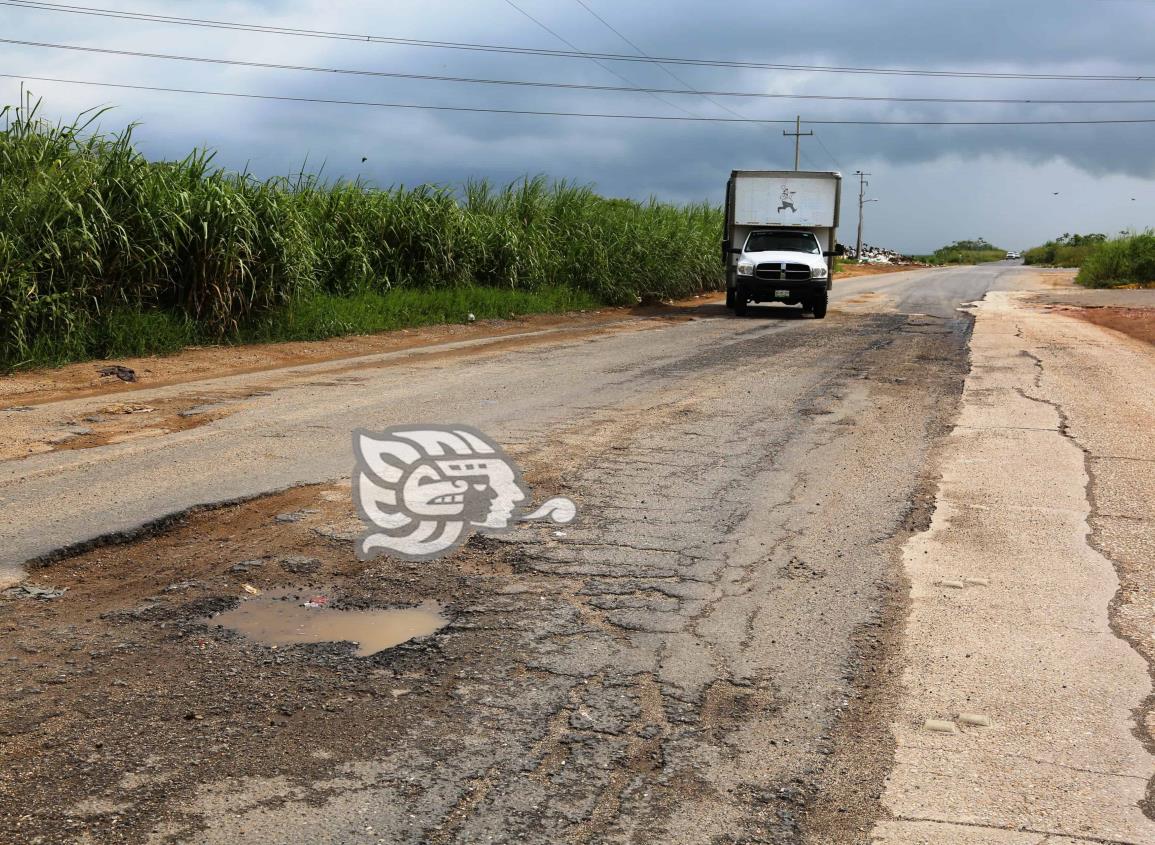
(1109, 36)
(674, 160)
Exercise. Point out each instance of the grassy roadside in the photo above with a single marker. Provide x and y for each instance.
(1064, 251)
(1103, 263)
(103, 252)
(124, 332)
(1124, 261)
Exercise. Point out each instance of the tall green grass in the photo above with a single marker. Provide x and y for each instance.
(104, 252)
(1103, 263)
(1064, 251)
(1126, 260)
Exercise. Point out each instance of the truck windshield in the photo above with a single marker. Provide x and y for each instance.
(782, 242)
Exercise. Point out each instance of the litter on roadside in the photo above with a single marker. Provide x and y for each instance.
(30, 591)
(128, 409)
(122, 373)
(976, 720)
(317, 601)
(940, 726)
(250, 589)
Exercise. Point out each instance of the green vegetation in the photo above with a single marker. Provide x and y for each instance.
(1103, 263)
(1128, 260)
(1064, 251)
(130, 331)
(964, 252)
(103, 252)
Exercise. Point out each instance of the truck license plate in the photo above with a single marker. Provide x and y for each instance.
(781, 294)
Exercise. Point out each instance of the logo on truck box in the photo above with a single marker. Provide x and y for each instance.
(787, 199)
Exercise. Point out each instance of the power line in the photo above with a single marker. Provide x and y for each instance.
(642, 52)
(611, 116)
(612, 29)
(569, 85)
(829, 154)
(571, 54)
(597, 62)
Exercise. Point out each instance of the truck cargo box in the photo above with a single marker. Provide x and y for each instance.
(768, 198)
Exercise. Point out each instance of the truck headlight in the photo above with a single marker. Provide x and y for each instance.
(745, 268)
(819, 272)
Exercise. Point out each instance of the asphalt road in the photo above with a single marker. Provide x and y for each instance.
(301, 435)
(703, 658)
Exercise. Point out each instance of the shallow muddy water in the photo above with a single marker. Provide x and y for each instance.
(291, 617)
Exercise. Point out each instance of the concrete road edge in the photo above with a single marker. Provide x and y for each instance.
(1017, 718)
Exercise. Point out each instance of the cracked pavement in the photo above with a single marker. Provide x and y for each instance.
(711, 654)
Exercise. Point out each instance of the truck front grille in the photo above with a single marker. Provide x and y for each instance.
(776, 272)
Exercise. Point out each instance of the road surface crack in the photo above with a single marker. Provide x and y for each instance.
(1020, 829)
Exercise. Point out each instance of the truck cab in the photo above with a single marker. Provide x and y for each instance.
(780, 238)
(783, 265)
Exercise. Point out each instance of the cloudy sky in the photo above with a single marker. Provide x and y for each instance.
(1015, 185)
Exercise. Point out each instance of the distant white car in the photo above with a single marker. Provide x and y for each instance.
(1013, 256)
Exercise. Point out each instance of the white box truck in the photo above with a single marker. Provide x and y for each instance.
(781, 238)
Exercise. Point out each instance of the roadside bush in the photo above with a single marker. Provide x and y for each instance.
(1064, 251)
(102, 250)
(1124, 261)
(964, 252)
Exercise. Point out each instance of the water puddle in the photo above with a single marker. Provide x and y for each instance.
(290, 617)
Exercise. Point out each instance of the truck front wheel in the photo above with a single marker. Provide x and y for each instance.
(740, 303)
(818, 305)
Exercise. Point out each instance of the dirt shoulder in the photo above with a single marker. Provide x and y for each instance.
(854, 271)
(1138, 323)
(1129, 311)
(73, 408)
(82, 380)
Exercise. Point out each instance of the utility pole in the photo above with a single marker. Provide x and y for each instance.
(797, 135)
(862, 201)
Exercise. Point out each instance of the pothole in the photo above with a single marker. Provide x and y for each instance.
(293, 617)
